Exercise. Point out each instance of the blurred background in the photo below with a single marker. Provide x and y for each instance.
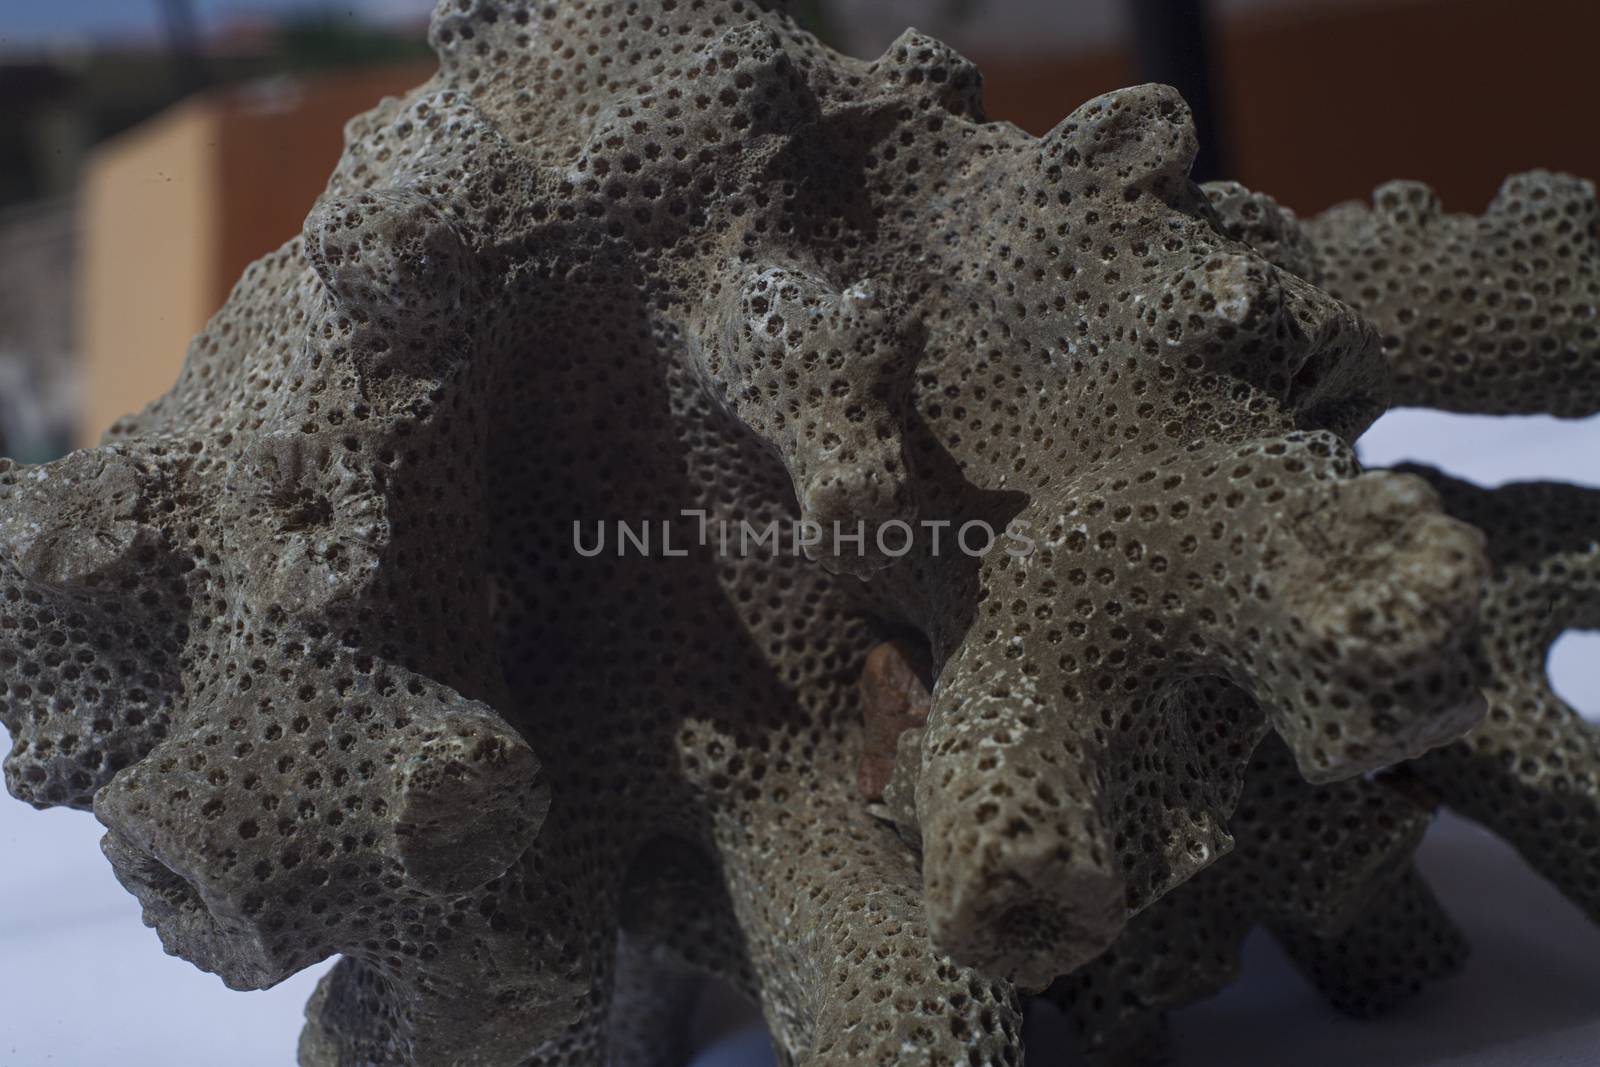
(150, 149)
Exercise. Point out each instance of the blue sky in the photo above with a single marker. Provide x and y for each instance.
(41, 22)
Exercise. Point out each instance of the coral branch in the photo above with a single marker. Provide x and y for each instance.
(1326, 868)
(1497, 314)
(1531, 771)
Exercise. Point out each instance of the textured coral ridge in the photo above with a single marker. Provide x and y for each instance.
(1326, 868)
(311, 636)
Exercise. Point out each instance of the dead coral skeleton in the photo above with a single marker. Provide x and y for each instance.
(310, 637)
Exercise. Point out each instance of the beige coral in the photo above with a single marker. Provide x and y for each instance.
(312, 636)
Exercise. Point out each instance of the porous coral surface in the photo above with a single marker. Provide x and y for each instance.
(321, 637)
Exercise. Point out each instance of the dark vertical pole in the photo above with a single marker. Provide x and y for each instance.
(183, 40)
(1171, 42)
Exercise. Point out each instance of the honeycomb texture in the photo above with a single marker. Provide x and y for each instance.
(1493, 314)
(316, 637)
(1326, 869)
(1531, 771)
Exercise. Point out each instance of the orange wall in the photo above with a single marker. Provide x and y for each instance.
(275, 160)
(1329, 101)
(151, 205)
(1323, 103)
(175, 209)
